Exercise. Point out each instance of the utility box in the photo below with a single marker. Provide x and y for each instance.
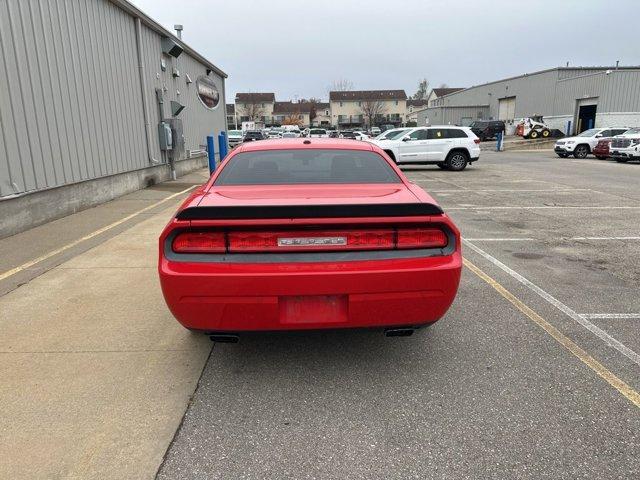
(177, 134)
(165, 135)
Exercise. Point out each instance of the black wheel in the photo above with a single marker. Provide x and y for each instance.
(601, 157)
(457, 161)
(563, 155)
(533, 134)
(581, 151)
(622, 160)
(545, 133)
(443, 166)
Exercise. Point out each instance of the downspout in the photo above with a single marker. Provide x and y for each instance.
(143, 84)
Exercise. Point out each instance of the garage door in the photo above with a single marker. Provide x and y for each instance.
(507, 108)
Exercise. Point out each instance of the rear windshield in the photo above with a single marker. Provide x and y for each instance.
(318, 132)
(296, 167)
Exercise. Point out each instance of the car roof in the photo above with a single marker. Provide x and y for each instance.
(305, 143)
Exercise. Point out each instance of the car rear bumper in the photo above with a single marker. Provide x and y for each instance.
(628, 153)
(261, 297)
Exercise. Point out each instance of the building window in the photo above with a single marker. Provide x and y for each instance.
(340, 103)
(326, 113)
(207, 92)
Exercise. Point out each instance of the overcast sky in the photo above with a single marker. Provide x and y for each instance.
(297, 48)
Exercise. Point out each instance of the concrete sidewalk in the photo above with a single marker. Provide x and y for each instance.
(96, 374)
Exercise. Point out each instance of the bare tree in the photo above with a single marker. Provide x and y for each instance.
(312, 105)
(293, 118)
(252, 107)
(423, 90)
(340, 85)
(371, 109)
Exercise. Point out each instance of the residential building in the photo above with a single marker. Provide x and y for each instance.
(436, 93)
(571, 99)
(255, 107)
(323, 115)
(413, 105)
(291, 113)
(359, 108)
(232, 120)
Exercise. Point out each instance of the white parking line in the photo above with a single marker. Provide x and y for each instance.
(601, 334)
(605, 238)
(501, 239)
(516, 190)
(527, 239)
(611, 315)
(551, 207)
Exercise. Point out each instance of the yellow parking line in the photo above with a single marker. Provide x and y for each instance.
(52, 253)
(583, 356)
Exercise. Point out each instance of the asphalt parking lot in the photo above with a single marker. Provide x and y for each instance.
(533, 373)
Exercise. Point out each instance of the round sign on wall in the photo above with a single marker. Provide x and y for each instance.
(207, 92)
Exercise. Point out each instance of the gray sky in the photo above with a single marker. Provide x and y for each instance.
(298, 47)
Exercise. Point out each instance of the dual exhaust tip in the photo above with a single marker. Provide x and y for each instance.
(231, 338)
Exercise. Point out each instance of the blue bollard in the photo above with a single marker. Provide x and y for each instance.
(499, 141)
(226, 142)
(590, 124)
(211, 152)
(222, 147)
(569, 128)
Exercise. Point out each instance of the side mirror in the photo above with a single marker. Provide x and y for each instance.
(406, 139)
(599, 135)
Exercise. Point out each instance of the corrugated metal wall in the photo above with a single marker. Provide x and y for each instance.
(71, 102)
(452, 115)
(554, 92)
(198, 121)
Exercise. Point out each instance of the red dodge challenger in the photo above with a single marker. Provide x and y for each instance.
(300, 234)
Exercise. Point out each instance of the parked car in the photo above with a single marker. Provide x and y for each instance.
(626, 146)
(289, 134)
(334, 134)
(448, 147)
(274, 134)
(348, 134)
(235, 137)
(321, 235)
(582, 145)
(386, 127)
(318, 133)
(601, 150)
(391, 134)
(361, 135)
(375, 131)
(252, 136)
(487, 129)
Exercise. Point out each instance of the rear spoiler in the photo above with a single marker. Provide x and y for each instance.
(309, 211)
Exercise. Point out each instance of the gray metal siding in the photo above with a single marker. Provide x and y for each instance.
(71, 102)
(198, 121)
(554, 92)
(451, 115)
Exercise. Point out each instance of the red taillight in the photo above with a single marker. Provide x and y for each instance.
(476, 140)
(421, 238)
(256, 241)
(199, 242)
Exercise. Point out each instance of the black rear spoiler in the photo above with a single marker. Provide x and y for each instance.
(309, 211)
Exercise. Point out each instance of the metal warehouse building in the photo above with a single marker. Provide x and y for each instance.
(97, 100)
(571, 99)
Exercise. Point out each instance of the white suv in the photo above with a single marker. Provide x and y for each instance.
(626, 147)
(448, 146)
(581, 145)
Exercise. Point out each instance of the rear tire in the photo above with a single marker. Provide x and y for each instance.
(601, 157)
(622, 160)
(457, 161)
(391, 156)
(581, 151)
